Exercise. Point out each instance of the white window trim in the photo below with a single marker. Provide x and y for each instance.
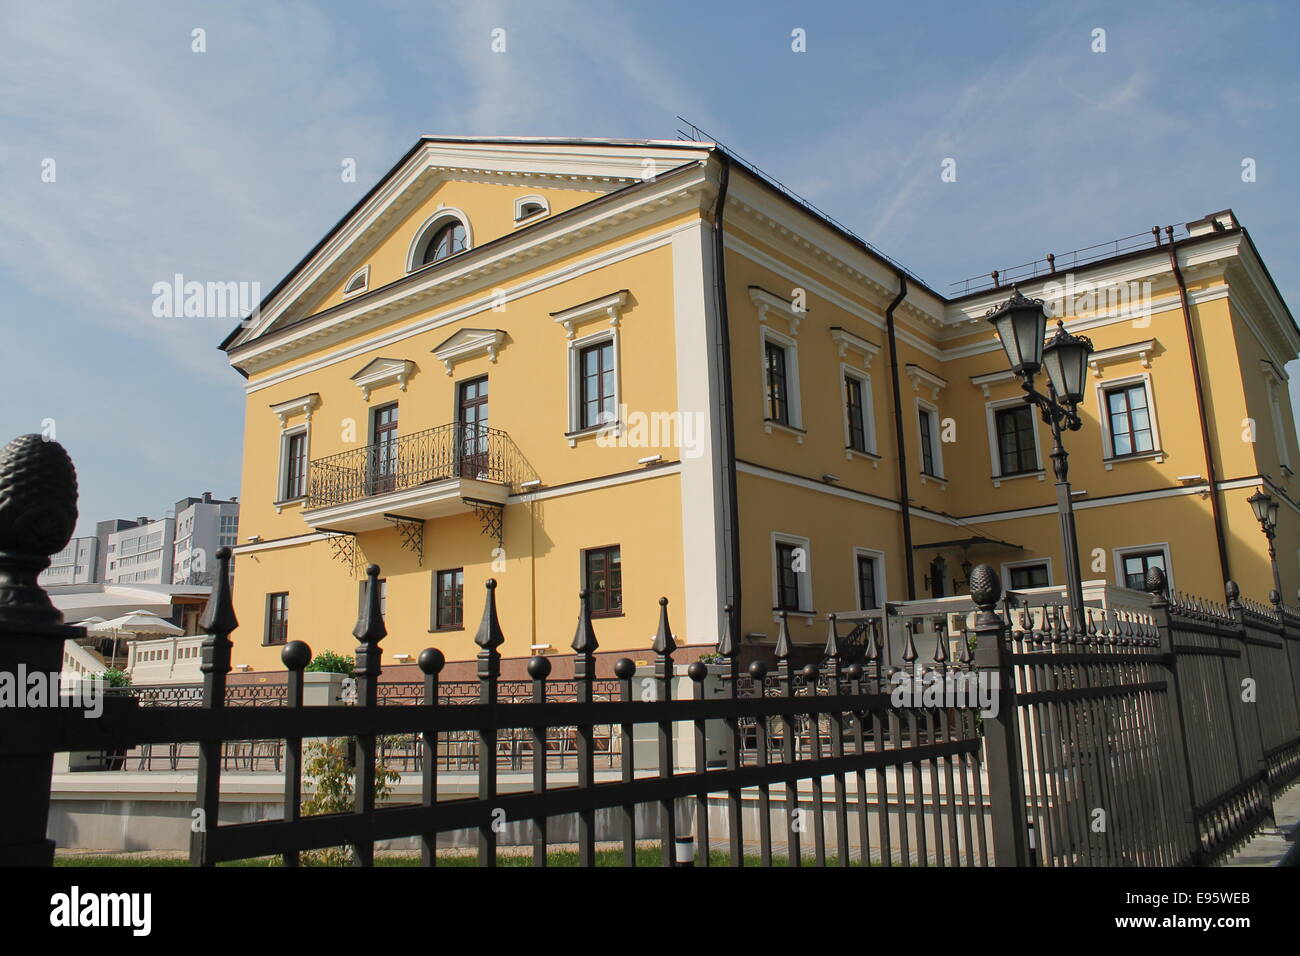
(868, 413)
(425, 233)
(283, 473)
(936, 445)
(1276, 382)
(882, 596)
(1118, 555)
(1103, 413)
(1122, 353)
(364, 274)
(1007, 566)
(804, 578)
(521, 219)
(995, 456)
(576, 346)
(765, 335)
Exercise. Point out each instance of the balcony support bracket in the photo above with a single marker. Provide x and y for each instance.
(411, 532)
(343, 546)
(491, 518)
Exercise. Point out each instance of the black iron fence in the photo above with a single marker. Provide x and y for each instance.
(1028, 738)
(456, 450)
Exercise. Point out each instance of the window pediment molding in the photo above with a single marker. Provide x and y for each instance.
(920, 376)
(767, 302)
(846, 340)
(986, 381)
(1120, 353)
(302, 405)
(383, 371)
(468, 343)
(608, 307)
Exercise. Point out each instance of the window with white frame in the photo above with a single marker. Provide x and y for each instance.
(1132, 565)
(359, 282)
(1013, 438)
(859, 413)
(927, 417)
(593, 381)
(780, 357)
(791, 573)
(869, 578)
(293, 464)
(1128, 414)
(444, 234)
(526, 207)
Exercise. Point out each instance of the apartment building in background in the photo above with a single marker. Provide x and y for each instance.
(641, 368)
(141, 553)
(75, 564)
(202, 526)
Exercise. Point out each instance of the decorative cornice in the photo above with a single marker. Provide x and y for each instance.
(383, 371)
(920, 376)
(845, 340)
(766, 302)
(302, 405)
(606, 307)
(992, 378)
(466, 343)
(1120, 353)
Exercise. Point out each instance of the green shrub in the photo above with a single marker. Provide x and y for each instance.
(331, 779)
(327, 662)
(114, 677)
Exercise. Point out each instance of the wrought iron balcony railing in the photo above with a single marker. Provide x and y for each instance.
(409, 461)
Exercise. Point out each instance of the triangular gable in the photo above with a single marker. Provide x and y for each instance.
(594, 166)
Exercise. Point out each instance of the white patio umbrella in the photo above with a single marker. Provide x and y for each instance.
(136, 622)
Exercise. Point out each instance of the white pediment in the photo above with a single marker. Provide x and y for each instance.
(383, 371)
(845, 340)
(302, 405)
(468, 343)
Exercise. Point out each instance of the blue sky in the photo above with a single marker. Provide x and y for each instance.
(224, 165)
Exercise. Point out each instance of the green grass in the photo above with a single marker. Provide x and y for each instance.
(645, 856)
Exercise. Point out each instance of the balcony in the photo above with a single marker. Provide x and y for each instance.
(443, 471)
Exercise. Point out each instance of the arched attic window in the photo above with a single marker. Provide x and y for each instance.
(446, 238)
(528, 206)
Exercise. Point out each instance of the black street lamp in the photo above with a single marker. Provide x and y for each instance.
(1266, 508)
(1021, 325)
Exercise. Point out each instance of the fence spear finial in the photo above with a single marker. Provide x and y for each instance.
(370, 627)
(584, 637)
(219, 615)
(663, 644)
(489, 636)
(783, 639)
(832, 649)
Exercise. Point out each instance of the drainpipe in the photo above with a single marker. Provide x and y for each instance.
(728, 413)
(1210, 471)
(903, 497)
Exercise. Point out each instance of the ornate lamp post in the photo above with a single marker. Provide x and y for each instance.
(1021, 324)
(1266, 508)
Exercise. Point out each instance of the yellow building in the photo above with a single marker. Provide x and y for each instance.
(642, 368)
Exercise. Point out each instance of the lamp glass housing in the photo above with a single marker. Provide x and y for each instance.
(1021, 324)
(1066, 360)
(1273, 507)
(1259, 503)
